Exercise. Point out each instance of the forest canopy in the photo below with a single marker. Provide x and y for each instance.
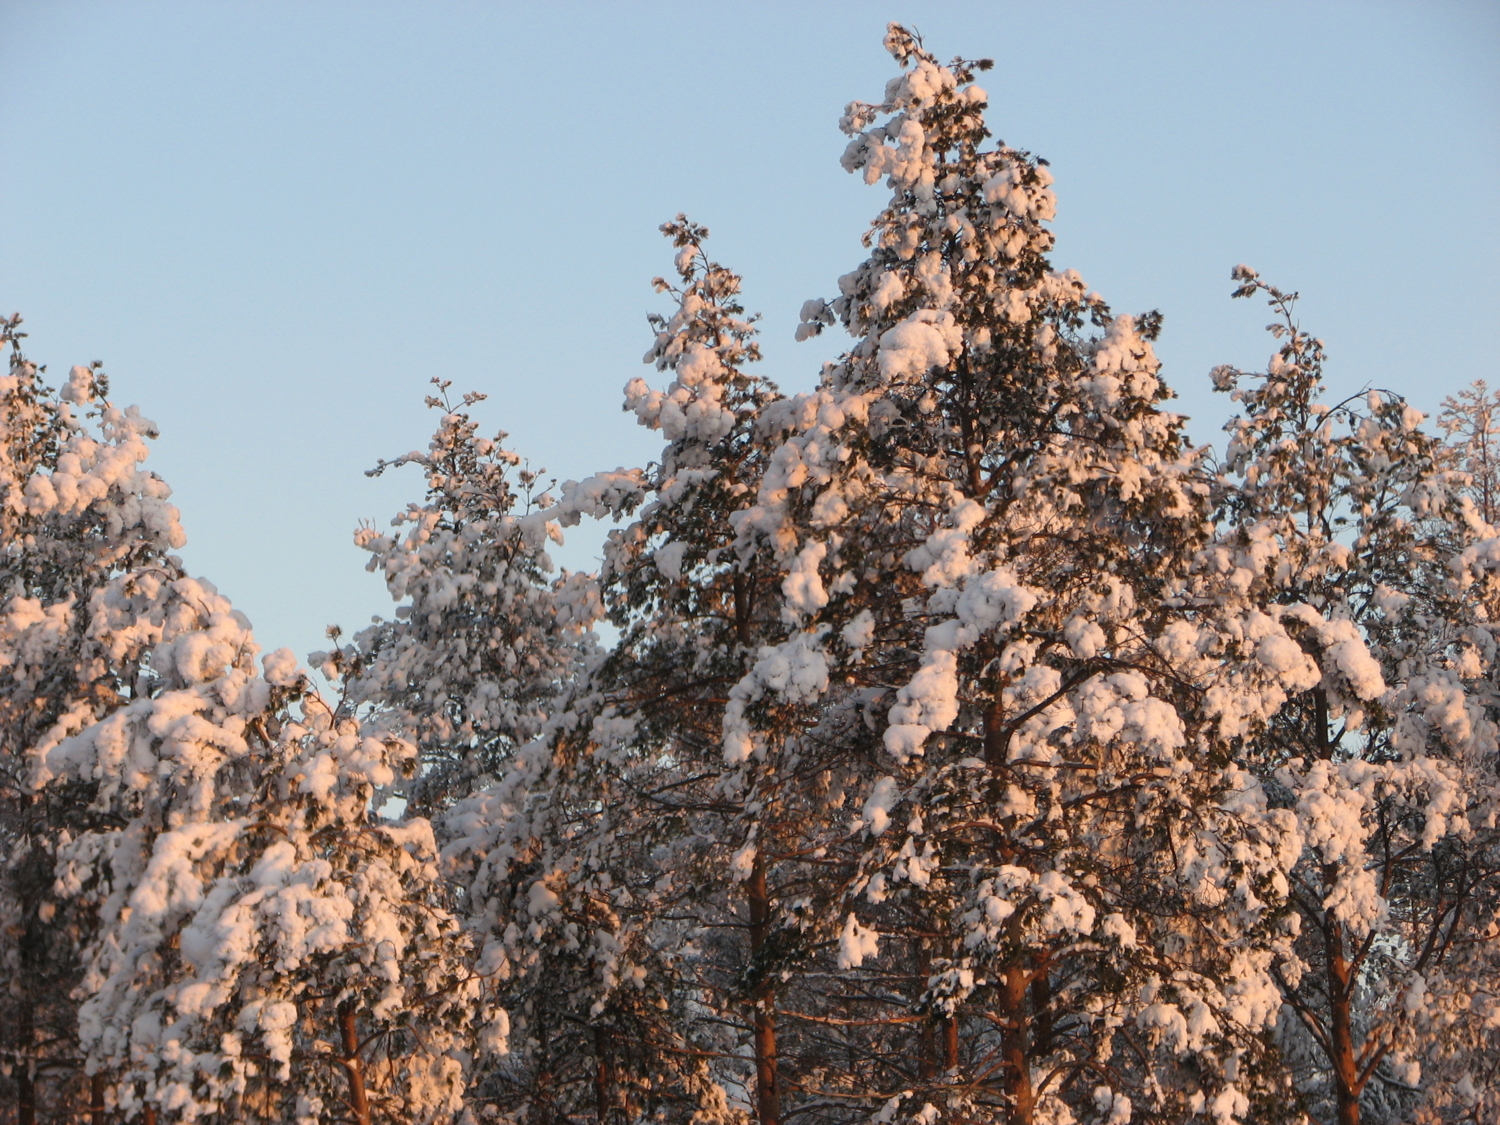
(955, 741)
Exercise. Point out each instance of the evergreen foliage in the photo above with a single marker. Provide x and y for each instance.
(963, 743)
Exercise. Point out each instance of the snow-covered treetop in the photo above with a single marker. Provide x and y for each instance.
(70, 479)
(485, 638)
(84, 529)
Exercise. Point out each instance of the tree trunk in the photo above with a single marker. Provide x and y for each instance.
(1340, 973)
(928, 1047)
(949, 1027)
(602, 1076)
(1340, 1022)
(25, 1076)
(939, 1035)
(767, 1085)
(25, 1094)
(1041, 1014)
(1013, 1046)
(996, 736)
(542, 1090)
(96, 1100)
(354, 1067)
(744, 606)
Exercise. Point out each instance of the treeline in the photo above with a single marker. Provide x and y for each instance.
(967, 745)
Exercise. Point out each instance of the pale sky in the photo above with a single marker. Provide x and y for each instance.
(275, 221)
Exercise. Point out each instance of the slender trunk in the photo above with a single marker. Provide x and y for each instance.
(25, 1094)
(1341, 1028)
(928, 1065)
(1013, 1046)
(939, 1043)
(1041, 1014)
(767, 1086)
(25, 1075)
(1340, 973)
(602, 1076)
(743, 588)
(996, 736)
(763, 1014)
(542, 1091)
(96, 1100)
(354, 1067)
(966, 428)
(929, 1060)
(1320, 723)
(150, 1114)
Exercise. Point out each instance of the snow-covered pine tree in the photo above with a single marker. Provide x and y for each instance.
(477, 669)
(180, 853)
(78, 515)
(485, 640)
(267, 949)
(704, 629)
(1471, 422)
(985, 522)
(1358, 680)
(691, 614)
(628, 868)
(950, 764)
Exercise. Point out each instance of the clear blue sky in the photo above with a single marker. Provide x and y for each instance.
(276, 221)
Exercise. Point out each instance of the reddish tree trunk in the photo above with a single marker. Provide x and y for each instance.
(354, 1067)
(939, 1043)
(763, 1016)
(1346, 1082)
(96, 1100)
(950, 1043)
(996, 737)
(602, 1076)
(1013, 1046)
(1341, 1028)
